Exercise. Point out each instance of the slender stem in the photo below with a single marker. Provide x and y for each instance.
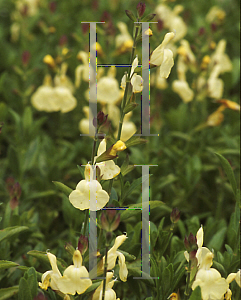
(105, 270)
(186, 293)
(128, 82)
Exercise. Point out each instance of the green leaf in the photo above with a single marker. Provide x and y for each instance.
(27, 119)
(148, 17)
(10, 231)
(196, 294)
(6, 293)
(133, 186)
(31, 154)
(130, 15)
(217, 240)
(13, 161)
(129, 107)
(24, 290)
(229, 172)
(82, 171)
(32, 281)
(135, 209)
(42, 257)
(5, 264)
(92, 287)
(135, 140)
(63, 188)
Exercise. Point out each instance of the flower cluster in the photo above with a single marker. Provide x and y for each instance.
(212, 285)
(75, 278)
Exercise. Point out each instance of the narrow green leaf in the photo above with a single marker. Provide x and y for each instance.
(217, 240)
(10, 231)
(31, 154)
(148, 17)
(32, 281)
(82, 171)
(135, 209)
(6, 293)
(63, 188)
(24, 290)
(196, 294)
(5, 264)
(229, 172)
(42, 256)
(27, 118)
(134, 185)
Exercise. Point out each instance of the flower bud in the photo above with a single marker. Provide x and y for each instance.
(52, 6)
(63, 40)
(201, 31)
(192, 240)
(82, 244)
(100, 120)
(110, 219)
(190, 243)
(192, 254)
(175, 215)
(25, 57)
(48, 60)
(118, 146)
(130, 15)
(141, 7)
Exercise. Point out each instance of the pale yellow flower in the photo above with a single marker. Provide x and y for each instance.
(75, 278)
(136, 80)
(128, 129)
(88, 190)
(158, 81)
(51, 278)
(48, 98)
(215, 84)
(84, 71)
(183, 90)
(108, 91)
(85, 124)
(109, 292)
(212, 285)
(215, 14)
(186, 52)
(216, 117)
(112, 256)
(163, 57)
(220, 58)
(234, 276)
(61, 79)
(108, 169)
(124, 40)
(171, 20)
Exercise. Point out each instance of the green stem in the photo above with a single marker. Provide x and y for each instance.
(105, 270)
(128, 82)
(186, 293)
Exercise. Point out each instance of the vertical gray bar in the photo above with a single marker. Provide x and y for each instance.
(93, 229)
(145, 113)
(92, 77)
(145, 224)
(145, 237)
